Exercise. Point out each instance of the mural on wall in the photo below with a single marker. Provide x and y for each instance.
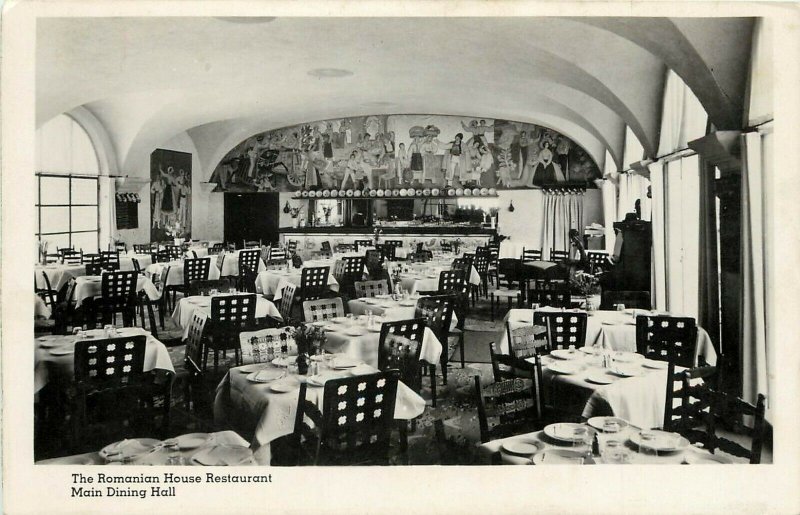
(170, 195)
(397, 151)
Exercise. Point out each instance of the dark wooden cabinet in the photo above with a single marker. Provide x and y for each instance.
(633, 270)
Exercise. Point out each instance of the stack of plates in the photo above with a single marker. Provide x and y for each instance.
(128, 449)
(661, 441)
(566, 432)
(265, 376)
(518, 448)
(608, 424)
(565, 354)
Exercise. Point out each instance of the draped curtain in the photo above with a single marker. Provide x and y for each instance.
(758, 354)
(562, 212)
(633, 187)
(608, 189)
(659, 272)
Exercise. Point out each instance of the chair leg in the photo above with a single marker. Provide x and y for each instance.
(432, 372)
(443, 364)
(151, 316)
(403, 430)
(492, 308)
(461, 345)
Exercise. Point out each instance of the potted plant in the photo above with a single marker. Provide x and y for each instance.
(588, 286)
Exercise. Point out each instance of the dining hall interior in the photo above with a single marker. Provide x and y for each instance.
(293, 241)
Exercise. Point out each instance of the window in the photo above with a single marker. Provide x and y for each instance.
(67, 205)
(68, 211)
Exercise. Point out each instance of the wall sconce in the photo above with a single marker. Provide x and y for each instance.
(511, 206)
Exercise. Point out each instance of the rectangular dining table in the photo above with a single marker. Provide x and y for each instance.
(89, 286)
(390, 309)
(187, 306)
(272, 282)
(254, 408)
(415, 277)
(126, 261)
(613, 330)
(55, 354)
(59, 274)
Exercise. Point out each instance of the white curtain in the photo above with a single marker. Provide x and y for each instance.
(562, 212)
(758, 354)
(760, 103)
(608, 189)
(683, 118)
(634, 151)
(633, 187)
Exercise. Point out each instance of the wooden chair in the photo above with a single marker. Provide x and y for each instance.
(194, 269)
(506, 408)
(248, 259)
(109, 259)
(446, 246)
(519, 366)
(438, 314)
(564, 328)
(421, 256)
(360, 244)
(195, 391)
(252, 244)
(216, 249)
(72, 257)
(399, 348)
(322, 309)
(387, 251)
(549, 293)
(374, 263)
(48, 294)
(313, 283)
(667, 338)
(264, 345)
(160, 303)
(598, 260)
(325, 250)
(394, 243)
(529, 255)
(559, 256)
(286, 303)
(118, 295)
(230, 314)
(509, 283)
(110, 385)
(370, 289)
(355, 425)
(291, 247)
(352, 271)
(701, 408)
(173, 252)
(481, 265)
(141, 248)
(341, 248)
(631, 299)
(90, 258)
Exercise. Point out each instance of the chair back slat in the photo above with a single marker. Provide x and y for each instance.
(527, 341)
(314, 282)
(531, 255)
(248, 259)
(108, 363)
(506, 407)
(194, 342)
(438, 314)
(559, 256)
(118, 289)
(371, 289)
(323, 309)
(236, 310)
(195, 269)
(264, 345)
(667, 338)
(399, 348)
(287, 301)
(564, 328)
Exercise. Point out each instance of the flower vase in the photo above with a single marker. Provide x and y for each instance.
(302, 364)
(592, 302)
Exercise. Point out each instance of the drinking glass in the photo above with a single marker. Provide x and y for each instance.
(350, 319)
(610, 426)
(612, 451)
(583, 440)
(620, 307)
(108, 330)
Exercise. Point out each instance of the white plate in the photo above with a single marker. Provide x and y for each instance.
(561, 457)
(408, 303)
(600, 378)
(599, 423)
(283, 386)
(281, 362)
(564, 431)
(354, 331)
(566, 367)
(662, 441)
(564, 354)
(62, 352)
(626, 370)
(627, 357)
(590, 350)
(521, 448)
(253, 367)
(190, 441)
(128, 448)
(265, 376)
(360, 370)
(339, 320)
(318, 380)
(654, 363)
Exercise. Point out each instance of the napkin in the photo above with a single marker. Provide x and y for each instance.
(125, 448)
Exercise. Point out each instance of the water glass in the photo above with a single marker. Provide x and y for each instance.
(350, 319)
(614, 451)
(108, 330)
(620, 307)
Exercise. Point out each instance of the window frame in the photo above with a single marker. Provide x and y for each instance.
(69, 177)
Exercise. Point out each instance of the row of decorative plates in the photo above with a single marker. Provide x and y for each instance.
(403, 192)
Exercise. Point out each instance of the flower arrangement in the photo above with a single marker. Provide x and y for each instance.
(43, 251)
(309, 338)
(585, 284)
(295, 211)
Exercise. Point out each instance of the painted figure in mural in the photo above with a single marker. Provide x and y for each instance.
(487, 160)
(373, 125)
(388, 146)
(430, 147)
(478, 130)
(454, 159)
(415, 149)
(401, 163)
(353, 167)
(168, 195)
(327, 147)
(156, 196)
(347, 128)
(562, 150)
(253, 153)
(546, 170)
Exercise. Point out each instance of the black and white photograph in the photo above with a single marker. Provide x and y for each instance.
(276, 246)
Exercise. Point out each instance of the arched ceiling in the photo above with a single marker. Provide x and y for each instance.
(148, 79)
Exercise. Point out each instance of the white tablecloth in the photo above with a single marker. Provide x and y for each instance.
(40, 309)
(187, 306)
(272, 282)
(175, 277)
(59, 275)
(271, 415)
(161, 456)
(425, 276)
(91, 285)
(389, 309)
(608, 329)
(365, 346)
(513, 250)
(230, 266)
(126, 261)
(45, 363)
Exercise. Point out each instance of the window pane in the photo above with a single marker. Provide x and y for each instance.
(86, 241)
(55, 242)
(55, 190)
(55, 219)
(84, 191)
(84, 218)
